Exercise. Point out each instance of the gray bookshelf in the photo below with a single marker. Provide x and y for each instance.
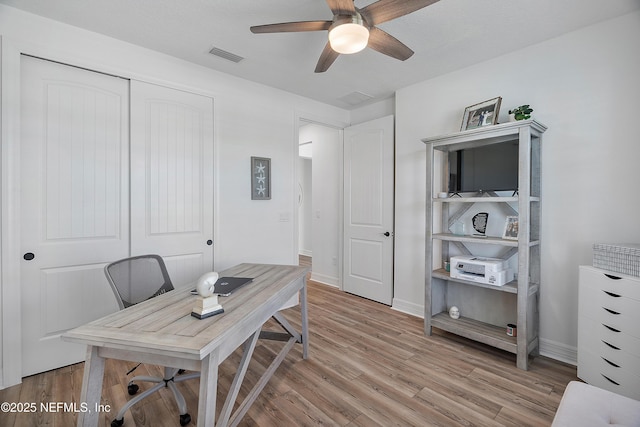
(486, 309)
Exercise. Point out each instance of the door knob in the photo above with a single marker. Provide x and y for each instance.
(209, 242)
(29, 256)
(386, 233)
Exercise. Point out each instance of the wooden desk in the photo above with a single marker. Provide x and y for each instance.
(162, 331)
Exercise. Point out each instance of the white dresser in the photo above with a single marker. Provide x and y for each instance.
(609, 331)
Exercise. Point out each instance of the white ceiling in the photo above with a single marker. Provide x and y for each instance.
(445, 36)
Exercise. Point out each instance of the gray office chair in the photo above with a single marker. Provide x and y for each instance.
(134, 280)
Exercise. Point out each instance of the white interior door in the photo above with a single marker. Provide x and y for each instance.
(368, 215)
(74, 203)
(172, 178)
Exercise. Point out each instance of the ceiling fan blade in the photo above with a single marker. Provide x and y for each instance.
(291, 27)
(327, 57)
(341, 7)
(386, 10)
(385, 43)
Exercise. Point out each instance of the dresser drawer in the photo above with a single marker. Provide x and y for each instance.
(616, 347)
(614, 283)
(596, 371)
(615, 311)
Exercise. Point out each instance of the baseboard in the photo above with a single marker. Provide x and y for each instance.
(324, 279)
(558, 351)
(305, 252)
(408, 307)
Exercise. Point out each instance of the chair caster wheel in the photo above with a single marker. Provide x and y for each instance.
(184, 419)
(117, 423)
(132, 389)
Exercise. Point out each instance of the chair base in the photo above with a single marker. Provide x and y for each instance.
(184, 420)
(170, 379)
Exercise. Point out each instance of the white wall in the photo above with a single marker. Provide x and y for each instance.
(305, 239)
(249, 120)
(585, 87)
(305, 181)
(383, 108)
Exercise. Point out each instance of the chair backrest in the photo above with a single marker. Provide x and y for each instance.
(138, 278)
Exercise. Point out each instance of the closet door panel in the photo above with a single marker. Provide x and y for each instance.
(172, 178)
(74, 203)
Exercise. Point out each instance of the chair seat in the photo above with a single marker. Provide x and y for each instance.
(584, 405)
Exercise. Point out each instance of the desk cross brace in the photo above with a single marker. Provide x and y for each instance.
(228, 420)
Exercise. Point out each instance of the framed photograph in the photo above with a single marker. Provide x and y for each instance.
(260, 178)
(511, 228)
(482, 114)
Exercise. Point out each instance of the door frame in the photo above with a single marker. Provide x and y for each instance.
(10, 215)
(10, 108)
(304, 117)
(308, 118)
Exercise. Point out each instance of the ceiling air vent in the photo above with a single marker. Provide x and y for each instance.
(226, 55)
(355, 98)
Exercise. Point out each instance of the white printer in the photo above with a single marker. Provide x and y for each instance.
(490, 271)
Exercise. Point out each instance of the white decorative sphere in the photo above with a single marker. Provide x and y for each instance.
(454, 312)
(205, 284)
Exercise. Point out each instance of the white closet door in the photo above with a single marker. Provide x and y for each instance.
(74, 203)
(172, 178)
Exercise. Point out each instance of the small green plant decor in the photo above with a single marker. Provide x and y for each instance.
(522, 112)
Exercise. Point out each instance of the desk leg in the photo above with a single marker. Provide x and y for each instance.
(305, 320)
(208, 390)
(91, 387)
(232, 395)
(257, 388)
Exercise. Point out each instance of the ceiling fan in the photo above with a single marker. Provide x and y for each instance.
(353, 29)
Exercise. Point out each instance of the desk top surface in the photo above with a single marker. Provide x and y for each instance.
(163, 325)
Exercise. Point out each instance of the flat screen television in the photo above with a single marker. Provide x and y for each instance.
(488, 168)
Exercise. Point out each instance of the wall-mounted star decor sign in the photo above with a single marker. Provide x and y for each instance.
(260, 178)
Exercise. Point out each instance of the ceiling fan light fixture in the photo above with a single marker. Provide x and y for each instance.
(350, 37)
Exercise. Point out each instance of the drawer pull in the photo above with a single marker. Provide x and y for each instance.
(613, 277)
(609, 379)
(611, 294)
(611, 311)
(611, 345)
(610, 362)
(610, 328)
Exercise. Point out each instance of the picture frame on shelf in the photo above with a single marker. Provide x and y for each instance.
(482, 114)
(260, 178)
(510, 228)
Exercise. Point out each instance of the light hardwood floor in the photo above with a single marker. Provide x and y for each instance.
(368, 366)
